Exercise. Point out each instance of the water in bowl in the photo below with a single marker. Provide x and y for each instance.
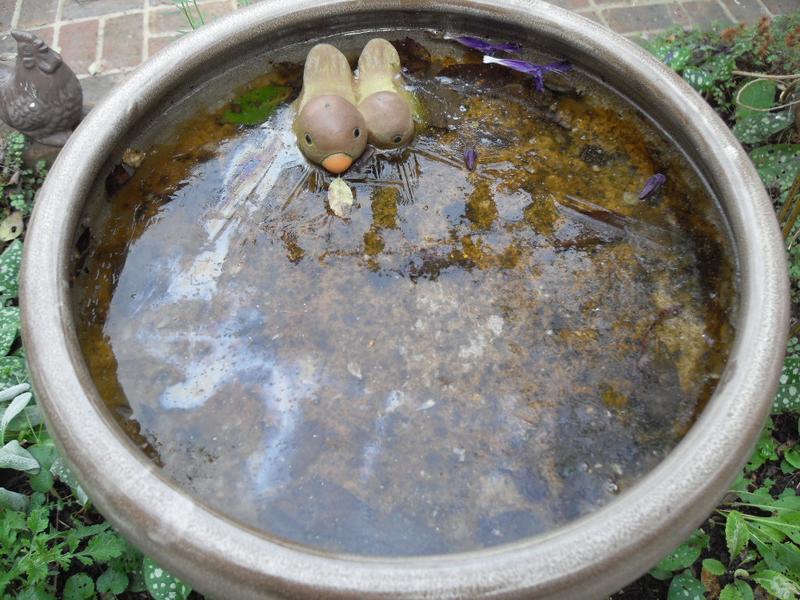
(472, 358)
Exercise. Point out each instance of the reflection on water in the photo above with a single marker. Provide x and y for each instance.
(470, 359)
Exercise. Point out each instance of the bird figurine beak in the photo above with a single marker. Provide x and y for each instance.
(337, 163)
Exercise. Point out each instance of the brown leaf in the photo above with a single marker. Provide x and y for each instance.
(414, 57)
(116, 180)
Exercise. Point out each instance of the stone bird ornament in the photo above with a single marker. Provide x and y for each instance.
(330, 130)
(40, 95)
(382, 99)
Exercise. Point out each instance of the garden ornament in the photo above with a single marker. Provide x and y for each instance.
(39, 96)
(382, 99)
(330, 130)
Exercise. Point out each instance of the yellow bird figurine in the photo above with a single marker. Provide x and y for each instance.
(382, 99)
(330, 130)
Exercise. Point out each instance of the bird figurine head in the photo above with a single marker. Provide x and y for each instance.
(330, 130)
(389, 120)
(382, 97)
(35, 54)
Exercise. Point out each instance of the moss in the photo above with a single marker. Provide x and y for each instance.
(384, 207)
(481, 209)
(613, 398)
(373, 242)
(542, 215)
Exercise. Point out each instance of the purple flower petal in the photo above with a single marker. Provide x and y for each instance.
(518, 65)
(652, 185)
(537, 71)
(560, 67)
(470, 158)
(484, 46)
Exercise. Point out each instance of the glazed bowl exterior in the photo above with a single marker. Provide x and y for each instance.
(587, 558)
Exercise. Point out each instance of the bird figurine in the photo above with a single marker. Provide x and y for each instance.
(382, 98)
(39, 96)
(330, 130)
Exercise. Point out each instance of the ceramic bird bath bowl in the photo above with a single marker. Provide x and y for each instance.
(525, 362)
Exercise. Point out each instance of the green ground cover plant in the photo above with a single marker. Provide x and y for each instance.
(53, 544)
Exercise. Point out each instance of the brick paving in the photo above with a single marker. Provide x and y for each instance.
(102, 40)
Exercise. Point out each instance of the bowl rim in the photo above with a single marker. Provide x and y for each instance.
(587, 557)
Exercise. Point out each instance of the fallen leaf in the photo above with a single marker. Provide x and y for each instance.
(11, 227)
(340, 197)
(133, 158)
(117, 178)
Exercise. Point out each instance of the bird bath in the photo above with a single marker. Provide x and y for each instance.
(472, 358)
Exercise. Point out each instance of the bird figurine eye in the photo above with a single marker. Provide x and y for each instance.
(309, 141)
(397, 139)
(356, 133)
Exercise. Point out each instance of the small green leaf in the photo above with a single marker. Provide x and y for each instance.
(730, 592)
(10, 261)
(79, 587)
(29, 418)
(112, 581)
(744, 589)
(44, 452)
(162, 585)
(13, 456)
(759, 93)
(742, 572)
(105, 546)
(759, 127)
(714, 567)
(766, 449)
(686, 587)
(675, 58)
(16, 407)
(680, 558)
(60, 471)
(792, 456)
(14, 391)
(683, 556)
(699, 79)
(35, 593)
(12, 371)
(41, 481)
(788, 397)
(39, 519)
(660, 574)
(255, 106)
(778, 585)
(778, 165)
(9, 328)
(736, 533)
(13, 501)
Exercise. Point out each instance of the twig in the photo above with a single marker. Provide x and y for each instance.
(765, 75)
(790, 212)
(771, 108)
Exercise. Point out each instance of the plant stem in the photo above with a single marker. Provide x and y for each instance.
(765, 75)
(199, 13)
